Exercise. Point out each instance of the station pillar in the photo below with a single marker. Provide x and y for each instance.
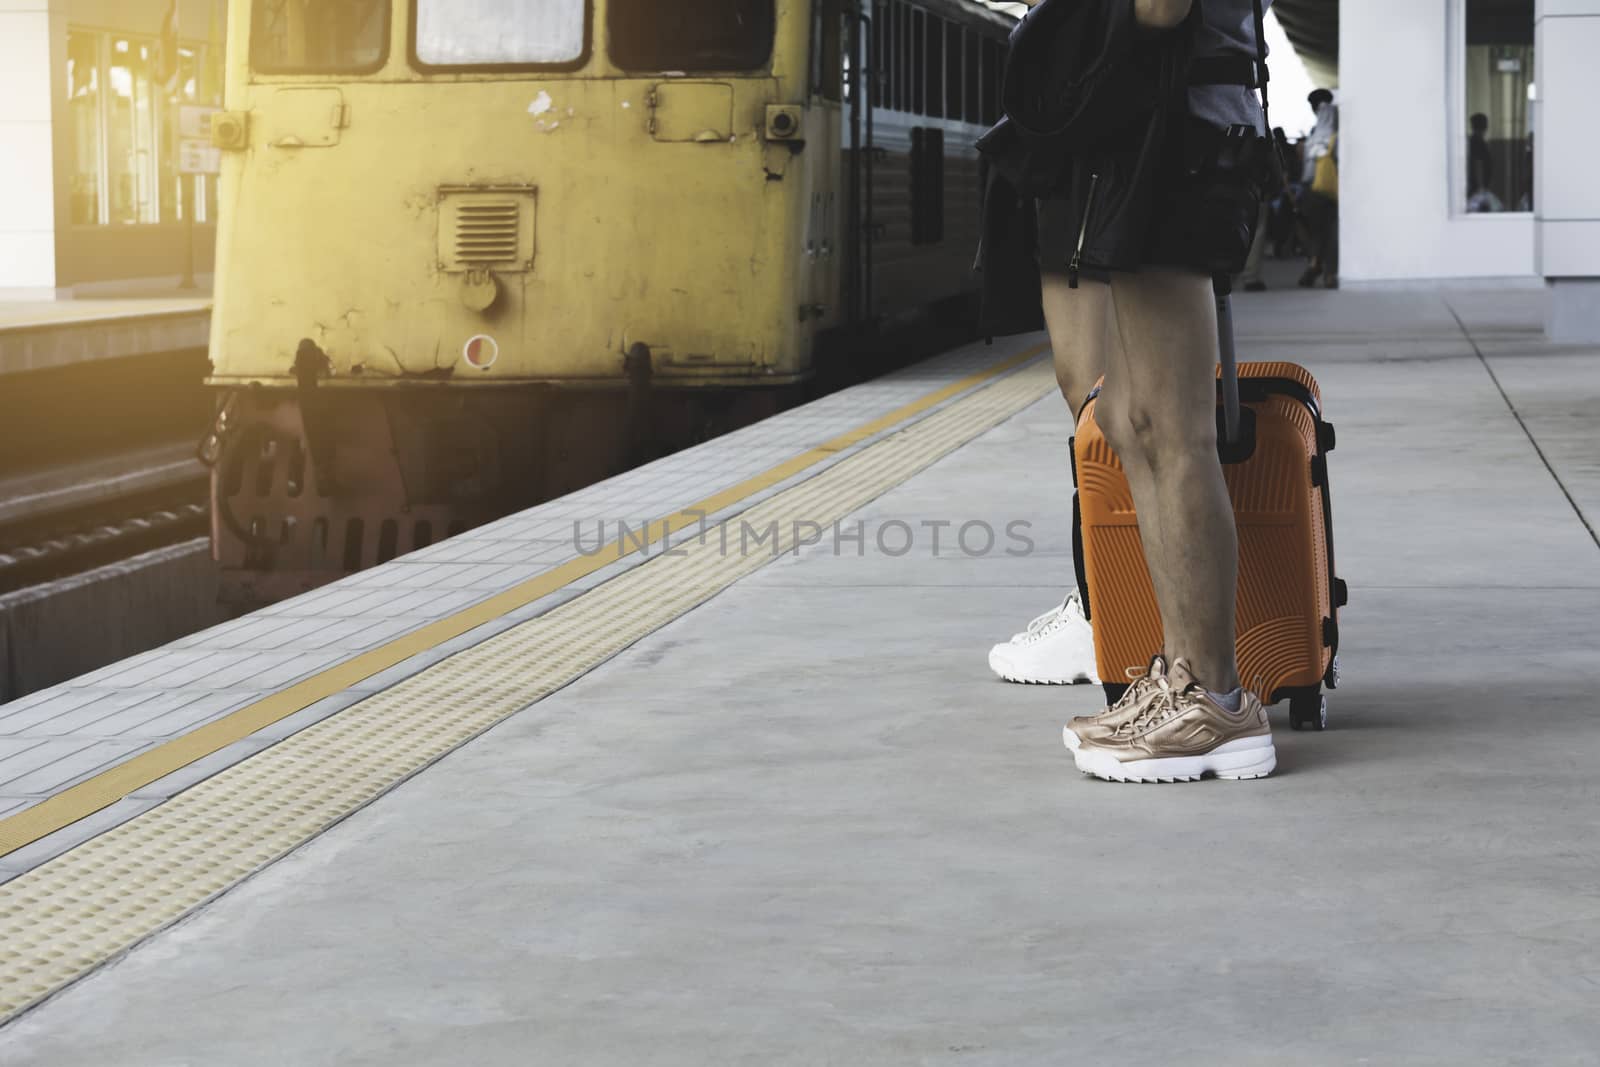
(27, 175)
(1567, 165)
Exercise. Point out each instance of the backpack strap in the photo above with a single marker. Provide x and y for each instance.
(1261, 61)
(1222, 284)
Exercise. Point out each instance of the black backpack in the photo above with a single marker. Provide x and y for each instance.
(1080, 75)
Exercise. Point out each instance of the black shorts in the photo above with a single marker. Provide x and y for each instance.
(1201, 219)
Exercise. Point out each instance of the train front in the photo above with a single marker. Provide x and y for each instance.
(462, 238)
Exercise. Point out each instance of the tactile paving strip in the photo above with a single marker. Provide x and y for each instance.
(61, 810)
(61, 920)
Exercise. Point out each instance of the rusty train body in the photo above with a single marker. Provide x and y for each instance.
(469, 247)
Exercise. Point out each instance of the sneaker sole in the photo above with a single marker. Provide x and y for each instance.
(1248, 757)
(1008, 674)
(1080, 679)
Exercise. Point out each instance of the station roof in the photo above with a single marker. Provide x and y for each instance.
(1313, 29)
(1312, 26)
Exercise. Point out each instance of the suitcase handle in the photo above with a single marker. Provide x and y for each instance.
(1243, 445)
(1222, 287)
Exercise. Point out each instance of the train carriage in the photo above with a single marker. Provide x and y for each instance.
(467, 243)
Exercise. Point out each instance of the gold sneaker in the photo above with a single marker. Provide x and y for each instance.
(1145, 686)
(1180, 734)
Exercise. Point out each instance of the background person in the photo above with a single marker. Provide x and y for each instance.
(1251, 278)
(1480, 169)
(1319, 197)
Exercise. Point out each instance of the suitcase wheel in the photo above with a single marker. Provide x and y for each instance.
(1308, 711)
(1331, 679)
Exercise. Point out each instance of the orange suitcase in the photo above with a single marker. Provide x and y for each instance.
(1288, 599)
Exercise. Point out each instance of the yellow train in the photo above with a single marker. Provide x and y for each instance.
(468, 246)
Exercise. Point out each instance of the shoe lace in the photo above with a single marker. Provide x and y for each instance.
(1050, 621)
(1160, 706)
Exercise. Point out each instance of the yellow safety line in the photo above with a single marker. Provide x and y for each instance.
(63, 918)
(109, 786)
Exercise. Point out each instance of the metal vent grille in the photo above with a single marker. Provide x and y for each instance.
(486, 228)
(486, 233)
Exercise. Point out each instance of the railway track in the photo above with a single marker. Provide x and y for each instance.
(66, 520)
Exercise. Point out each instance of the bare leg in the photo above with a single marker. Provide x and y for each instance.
(1158, 410)
(1258, 250)
(1079, 321)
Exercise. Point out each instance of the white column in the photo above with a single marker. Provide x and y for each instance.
(1566, 147)
(27, 186)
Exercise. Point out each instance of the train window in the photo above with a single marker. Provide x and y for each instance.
(919, 50)
(952, 70)
(319, 36)
(909, 50)
(894, 68)
(501, 33)
(994, 77)
(691, 35)
(933, 68)
(972, 110)
(827, 49)
(881, 41)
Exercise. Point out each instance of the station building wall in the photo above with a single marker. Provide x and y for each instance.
(1408, 82)
(27, 190)
(88, 128)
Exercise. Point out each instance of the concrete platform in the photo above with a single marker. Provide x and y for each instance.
(802, 824)
(36, 333)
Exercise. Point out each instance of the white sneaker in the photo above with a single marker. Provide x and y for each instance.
(1057, 648)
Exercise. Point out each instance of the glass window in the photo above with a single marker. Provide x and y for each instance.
(973, 111)
(186, 86)
(1496, 123)
(691, 35)
(952, 70)
(827, 49)
(918, 64)
(881, 67)
(83, 109)
(124, 96)
(902, 56)
(195, 82)
(132, 151)
(501, 33)
(933, 68)
(319, 36)
(994, 70)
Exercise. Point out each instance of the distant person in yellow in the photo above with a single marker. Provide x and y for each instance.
(1319, 199)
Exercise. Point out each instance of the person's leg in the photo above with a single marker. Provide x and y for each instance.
(1079, 324)
(1311, 208)
(1281, 225)
(1158, 410)
(1330, 247)
(1057, 648)
(1251, 279)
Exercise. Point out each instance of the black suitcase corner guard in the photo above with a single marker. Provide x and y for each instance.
(1241, 450)
(1326, 438)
